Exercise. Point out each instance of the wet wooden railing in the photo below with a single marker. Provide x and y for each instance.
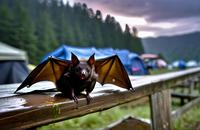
(35, 108)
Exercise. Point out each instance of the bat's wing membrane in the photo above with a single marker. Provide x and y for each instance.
(49, 70)
(111, 70)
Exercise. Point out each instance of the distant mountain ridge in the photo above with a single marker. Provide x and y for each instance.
(186, 46)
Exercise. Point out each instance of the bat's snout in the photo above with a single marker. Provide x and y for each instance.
(84, 74)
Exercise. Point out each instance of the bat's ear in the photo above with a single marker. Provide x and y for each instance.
(91, 60)
(75, 60)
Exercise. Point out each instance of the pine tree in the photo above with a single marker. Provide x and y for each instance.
(6, 27)
(46, 35)
(96, 29)
(39, 26)
(24, 33)
(127, 37)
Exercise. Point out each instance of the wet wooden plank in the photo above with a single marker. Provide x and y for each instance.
(35, 109)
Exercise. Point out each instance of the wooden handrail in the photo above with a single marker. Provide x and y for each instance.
(34, 109)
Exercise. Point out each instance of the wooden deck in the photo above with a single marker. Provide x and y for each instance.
(34, 108)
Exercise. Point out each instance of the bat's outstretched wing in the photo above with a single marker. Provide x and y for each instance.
(49, 70)
(111, 70)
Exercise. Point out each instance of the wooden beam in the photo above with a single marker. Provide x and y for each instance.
(184, 96)
(178, 112)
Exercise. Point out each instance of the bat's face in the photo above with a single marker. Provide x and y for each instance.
(82, 70)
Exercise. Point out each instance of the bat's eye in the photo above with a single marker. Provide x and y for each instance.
(77, 69)
(88, 70)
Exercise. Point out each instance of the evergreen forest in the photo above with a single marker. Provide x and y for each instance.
(40, 26)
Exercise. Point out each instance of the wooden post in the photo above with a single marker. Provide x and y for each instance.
(160, 104)
(191, 87)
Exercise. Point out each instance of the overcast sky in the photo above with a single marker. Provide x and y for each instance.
(152, 17)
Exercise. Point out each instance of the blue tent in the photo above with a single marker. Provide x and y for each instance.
(181, 64)
(133, 64)
(64, 52)
(137, 65)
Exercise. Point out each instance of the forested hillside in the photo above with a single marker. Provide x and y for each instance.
(186, 47)
(39, 26)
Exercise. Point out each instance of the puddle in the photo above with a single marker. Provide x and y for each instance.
(12, 103)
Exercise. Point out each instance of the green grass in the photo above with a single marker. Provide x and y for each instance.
(189, 121)
(100, 119)
(161, 71)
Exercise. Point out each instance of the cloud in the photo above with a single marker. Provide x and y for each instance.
(152, 10)
(186, 25)
(160, 17)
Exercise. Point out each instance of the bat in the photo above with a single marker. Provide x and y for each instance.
(72, 77)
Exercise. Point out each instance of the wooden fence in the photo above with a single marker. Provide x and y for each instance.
(34, 109)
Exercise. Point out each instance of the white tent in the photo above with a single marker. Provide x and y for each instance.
(10, 53)
(13, 64)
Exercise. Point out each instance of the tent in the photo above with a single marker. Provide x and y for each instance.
(132, 62)
(137, 65)
(192, 63)
(13, 64)
(181, 64)
(161, 63)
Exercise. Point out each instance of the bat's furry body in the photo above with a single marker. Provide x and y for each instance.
(79, 77)
(73, 77)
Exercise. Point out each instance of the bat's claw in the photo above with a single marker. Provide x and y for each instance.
(88, 99)
(67, 74)
(75, 99)
(132, 89)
